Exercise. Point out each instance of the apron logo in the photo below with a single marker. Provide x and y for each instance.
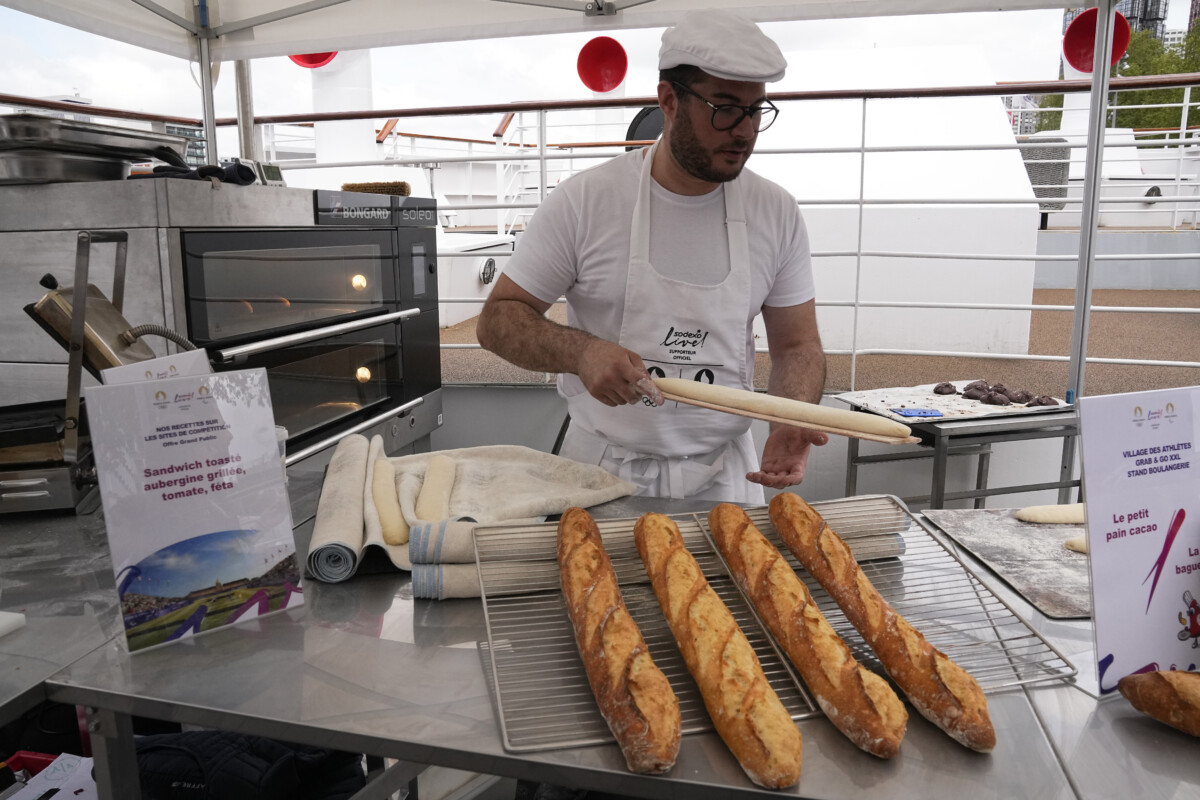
(682, 345)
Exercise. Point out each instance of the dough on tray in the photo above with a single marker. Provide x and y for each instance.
(1068, 514)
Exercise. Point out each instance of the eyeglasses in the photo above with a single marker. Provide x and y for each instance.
(728, 116)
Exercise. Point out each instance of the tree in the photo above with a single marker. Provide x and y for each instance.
(1145, 55)
(1050, 121)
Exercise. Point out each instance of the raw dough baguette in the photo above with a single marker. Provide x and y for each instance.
(942, 691)
(1168, 696)
(747, 713)
(857, 701)
(634, 696)
(1069, 514)
(786, 408)
(387, 503)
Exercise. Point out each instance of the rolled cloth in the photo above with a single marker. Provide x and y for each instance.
(450, 541)
(445, 581)
(337, 533)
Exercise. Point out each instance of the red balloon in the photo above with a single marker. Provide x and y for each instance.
(601, 64)
(1079, 42)
(313, 60)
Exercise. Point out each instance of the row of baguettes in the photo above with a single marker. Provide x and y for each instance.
(637, 701)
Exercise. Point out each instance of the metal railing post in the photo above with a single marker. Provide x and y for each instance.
(1089, 211)
(543, 174)
(858, 247)
(1183, 119)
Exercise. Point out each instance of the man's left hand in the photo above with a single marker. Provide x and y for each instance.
(785, 456)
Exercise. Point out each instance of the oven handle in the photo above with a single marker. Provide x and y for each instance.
(292, 458)
(233, 354)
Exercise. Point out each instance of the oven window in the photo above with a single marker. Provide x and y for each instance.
(328, 381)
(235, 293)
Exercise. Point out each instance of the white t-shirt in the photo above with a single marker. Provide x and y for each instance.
(577, 244)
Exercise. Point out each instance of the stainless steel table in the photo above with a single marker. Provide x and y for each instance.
(941, 439)
(54, 569)
(363, 666)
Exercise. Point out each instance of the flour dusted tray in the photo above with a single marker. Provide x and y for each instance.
(542, 697)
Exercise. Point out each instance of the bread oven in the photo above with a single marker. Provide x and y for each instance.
(333, 293)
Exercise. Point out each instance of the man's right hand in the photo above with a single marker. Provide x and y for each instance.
(513, 325)
(614, 375)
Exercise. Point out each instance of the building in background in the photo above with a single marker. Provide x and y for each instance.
(1022, 113)
(1173, 39)
(197, 148)
(1143, 15)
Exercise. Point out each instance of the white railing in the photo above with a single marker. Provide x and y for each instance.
(544, 142)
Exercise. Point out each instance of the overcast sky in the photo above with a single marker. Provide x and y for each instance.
(44, 59)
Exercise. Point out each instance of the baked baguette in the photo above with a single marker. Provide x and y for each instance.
(634, 696)
(942, 691)
(858, 702)
(747, 713)
(1168, 696)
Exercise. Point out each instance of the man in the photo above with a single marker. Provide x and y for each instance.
(665, 256)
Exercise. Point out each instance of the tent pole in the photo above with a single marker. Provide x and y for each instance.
(1089, 211)
(206, 96)
(249, 142)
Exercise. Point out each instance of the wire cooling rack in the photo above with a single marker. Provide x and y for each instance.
(541, 692)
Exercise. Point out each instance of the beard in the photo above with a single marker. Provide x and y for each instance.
(698, 161)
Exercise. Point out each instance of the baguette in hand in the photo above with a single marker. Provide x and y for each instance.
(856, 700)
(1168, 696)
(941, 690)
(634, 696)
(747, 713)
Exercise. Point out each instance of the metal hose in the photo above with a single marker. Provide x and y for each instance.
(133, 334)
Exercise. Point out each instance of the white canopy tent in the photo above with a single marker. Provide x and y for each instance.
(243, 29)
(209, 31)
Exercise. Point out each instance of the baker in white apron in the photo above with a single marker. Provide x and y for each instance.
(681, 330)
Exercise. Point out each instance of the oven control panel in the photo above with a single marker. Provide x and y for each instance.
(416, 212)
(367, 210)
(360, 209)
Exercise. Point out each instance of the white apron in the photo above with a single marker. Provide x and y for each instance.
(681, 330)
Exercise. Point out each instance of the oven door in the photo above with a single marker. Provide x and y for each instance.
(248, 284)
(328, 381)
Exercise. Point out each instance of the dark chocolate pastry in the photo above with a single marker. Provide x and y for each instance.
(995, 399)
(1020, 396)
(1042, 400)
(976, 385)
(1001, 388)
(977, 393)
(945, 388)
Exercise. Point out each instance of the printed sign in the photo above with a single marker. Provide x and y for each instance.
(1140, 477)
(198, 518)
(177, 365)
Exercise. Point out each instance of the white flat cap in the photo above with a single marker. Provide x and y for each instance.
(724, 45)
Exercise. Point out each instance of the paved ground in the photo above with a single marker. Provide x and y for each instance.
(1168, 337)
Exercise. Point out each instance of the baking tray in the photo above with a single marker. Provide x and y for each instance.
(952, 406)
(1030, 557)
(25, 131)
(542, 697)
(30, 165)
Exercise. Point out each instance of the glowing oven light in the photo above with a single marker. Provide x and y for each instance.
(359, 282)
(363, 374)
